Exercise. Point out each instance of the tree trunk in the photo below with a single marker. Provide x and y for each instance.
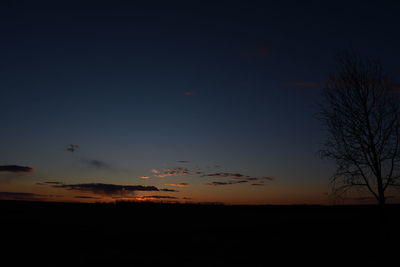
(382, 203)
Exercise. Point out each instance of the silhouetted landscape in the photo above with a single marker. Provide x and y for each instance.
(162, 234)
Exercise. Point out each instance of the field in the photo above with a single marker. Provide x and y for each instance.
(149, 234)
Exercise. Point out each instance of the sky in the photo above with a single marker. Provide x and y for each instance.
(188, 101)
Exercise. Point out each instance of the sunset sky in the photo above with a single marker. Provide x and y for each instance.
(189, 101)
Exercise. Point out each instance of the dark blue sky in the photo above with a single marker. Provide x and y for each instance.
(230, 87)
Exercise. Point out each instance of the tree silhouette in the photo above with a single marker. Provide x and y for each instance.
(361, 116)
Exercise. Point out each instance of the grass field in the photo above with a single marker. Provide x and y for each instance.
(150, 234)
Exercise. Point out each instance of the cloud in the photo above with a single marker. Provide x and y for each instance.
(95, 163)
(86, 197)
(179, 185)
(168, 190)
(258, 184)
(72, 148)
(170, 172)
(227, 183)
(21, 196)
(225, 175)
(107, 189)
(15, 169)
(304, 84)
(218, 183)
(183, 161)
(261, 51)
(266, 178)
(156, 197)
(238, 176)
(50, 183)
(144, 177)
(188, 93)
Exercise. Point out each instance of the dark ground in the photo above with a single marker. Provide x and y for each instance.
(126, 234)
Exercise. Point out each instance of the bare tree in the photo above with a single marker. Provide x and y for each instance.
(361, 116)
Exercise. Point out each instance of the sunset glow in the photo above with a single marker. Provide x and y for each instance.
(174, 103)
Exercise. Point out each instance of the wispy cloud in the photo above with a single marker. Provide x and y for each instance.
(237, 176)
(179, 185)
(109, 189)
(225, 175)
(227, 183)
(21, 196)
(155, 197)
(15, 169)
(183, 161)
(168, 190)
(266, 178)
(170, 172)
(50, 183)
(86, 197)
(72, 148)
(95, 163)
(90, 162)
(144, 177)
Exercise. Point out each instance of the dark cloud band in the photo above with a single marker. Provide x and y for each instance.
(21, 196)
(15, 168)
(109, 189)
